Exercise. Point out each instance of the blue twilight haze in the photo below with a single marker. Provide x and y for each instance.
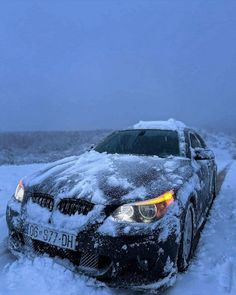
(107, 64)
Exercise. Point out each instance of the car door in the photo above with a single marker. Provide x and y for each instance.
(202, 171)
(212, 167)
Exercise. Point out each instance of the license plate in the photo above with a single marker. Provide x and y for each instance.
(51, 236)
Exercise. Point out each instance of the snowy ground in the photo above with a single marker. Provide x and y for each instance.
(213, 270)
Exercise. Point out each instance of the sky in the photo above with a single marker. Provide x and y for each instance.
(69, 65)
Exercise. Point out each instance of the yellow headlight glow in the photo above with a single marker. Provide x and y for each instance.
(166, 197)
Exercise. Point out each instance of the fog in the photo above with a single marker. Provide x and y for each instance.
(67, 65)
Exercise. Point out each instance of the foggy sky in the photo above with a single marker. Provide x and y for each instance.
(108, 64)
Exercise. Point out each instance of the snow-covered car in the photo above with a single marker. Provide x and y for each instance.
(127, 212)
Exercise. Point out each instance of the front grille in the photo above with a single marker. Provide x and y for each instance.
(43, 200)
(68, 206)
(75, 206)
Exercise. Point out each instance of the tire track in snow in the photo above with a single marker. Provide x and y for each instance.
(221, 177)
(227, 275)
(212, 271)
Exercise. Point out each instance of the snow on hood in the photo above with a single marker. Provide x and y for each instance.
(170, 124)
(108, 179)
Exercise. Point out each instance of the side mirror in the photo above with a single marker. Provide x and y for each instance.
(203, 154)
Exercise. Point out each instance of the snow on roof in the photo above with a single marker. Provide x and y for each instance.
(170, 124)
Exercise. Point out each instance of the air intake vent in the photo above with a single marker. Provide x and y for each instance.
(75, 206)
(89, 260)
(43, 200)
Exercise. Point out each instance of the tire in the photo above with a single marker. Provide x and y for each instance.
(214, 187)
(186, 244)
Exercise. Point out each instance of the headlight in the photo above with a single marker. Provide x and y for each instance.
(19, 193)
(146, 211)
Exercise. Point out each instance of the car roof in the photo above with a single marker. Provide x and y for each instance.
(170, 124)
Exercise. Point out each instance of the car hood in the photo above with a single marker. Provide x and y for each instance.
(107, 179)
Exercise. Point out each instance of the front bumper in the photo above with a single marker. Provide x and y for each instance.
(122, 261)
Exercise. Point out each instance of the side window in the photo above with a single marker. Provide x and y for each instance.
(202, 142)
(194, 141)
(187, 144)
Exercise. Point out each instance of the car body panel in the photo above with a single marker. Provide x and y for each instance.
(129, 253)
(111, 179)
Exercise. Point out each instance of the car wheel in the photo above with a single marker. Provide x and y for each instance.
(186, 244)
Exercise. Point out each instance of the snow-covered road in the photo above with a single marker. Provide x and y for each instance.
(213, 270)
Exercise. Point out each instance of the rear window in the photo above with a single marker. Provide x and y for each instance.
(162, 143)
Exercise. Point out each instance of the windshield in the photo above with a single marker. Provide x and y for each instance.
(162, 143)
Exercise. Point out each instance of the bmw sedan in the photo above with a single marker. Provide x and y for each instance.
(127, 213)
